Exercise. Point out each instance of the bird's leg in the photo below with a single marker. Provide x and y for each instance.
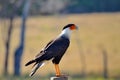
(57, 70)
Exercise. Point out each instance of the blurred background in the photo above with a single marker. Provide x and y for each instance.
(26, 26)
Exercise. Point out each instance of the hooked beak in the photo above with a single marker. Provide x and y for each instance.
(76, 27)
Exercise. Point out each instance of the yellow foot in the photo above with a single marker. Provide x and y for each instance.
(58, 74)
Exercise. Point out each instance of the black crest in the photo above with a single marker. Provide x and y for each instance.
(69, 25)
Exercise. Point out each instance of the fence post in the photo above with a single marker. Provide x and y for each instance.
(59, 78)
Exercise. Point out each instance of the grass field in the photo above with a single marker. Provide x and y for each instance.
(96, 32)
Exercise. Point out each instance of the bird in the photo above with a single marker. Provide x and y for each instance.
(53, 51)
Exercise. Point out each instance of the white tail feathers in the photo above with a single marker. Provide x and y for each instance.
(38, 65)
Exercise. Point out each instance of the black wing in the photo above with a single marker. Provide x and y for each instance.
(42, 51)
(53, 49)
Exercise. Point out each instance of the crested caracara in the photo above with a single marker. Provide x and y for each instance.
(54, 50)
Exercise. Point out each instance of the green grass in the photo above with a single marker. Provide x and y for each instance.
(10, 77)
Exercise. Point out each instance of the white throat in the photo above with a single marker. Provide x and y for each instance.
(66, 32)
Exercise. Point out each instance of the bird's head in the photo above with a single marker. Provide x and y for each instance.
(71, 27)
(66, 31)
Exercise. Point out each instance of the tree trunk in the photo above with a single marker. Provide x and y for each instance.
(7, 45)
(10, 15)
(19, 50)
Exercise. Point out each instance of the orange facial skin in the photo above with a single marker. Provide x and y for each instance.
(73, 27)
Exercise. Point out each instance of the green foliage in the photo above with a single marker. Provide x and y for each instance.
(95, 6)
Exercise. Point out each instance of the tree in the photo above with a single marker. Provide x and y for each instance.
(8, 11)
(7, 45)
(6, 35)
(19, 50)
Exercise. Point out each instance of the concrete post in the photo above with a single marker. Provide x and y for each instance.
(59, 78)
